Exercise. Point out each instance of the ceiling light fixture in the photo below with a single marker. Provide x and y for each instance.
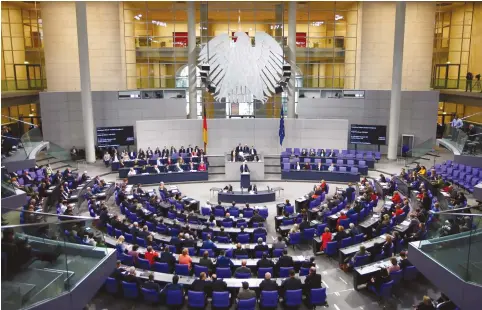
(338, 17)
(317, 24)
(158, 23)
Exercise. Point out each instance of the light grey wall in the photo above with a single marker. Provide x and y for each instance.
(418, 115)
(225, 134)
(62, 113)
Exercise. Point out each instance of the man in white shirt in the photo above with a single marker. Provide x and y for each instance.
(156, 169)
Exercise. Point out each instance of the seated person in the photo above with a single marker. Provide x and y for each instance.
(307, 166)
(331, 168)
(245, 293)
(131, 172)
(223, 261)
(151, 285)
(261, 246)
(292, 283)
(297, 168)
(240, 251)
(321, 153)
(175, 286)
(426, 304)
(200, 285)
(243, 268)
(202, 166)
(394, 265)
(380, 278)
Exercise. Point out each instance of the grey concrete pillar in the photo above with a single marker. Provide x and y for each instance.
(85, 91)
(396, 81)
(292, 57)
(192, 58)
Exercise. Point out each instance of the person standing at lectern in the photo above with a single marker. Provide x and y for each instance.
(244, 167)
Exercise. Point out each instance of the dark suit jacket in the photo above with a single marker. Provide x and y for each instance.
(304, 225)
(285, 261)
(261, 248)
(268, 285)
(265, 263)
(199, 285)
(313, 281)
(292, 284)
(219, 286)
(151, 285)
(168, 258)
(206, 262)
(244, 168)
(133, 279)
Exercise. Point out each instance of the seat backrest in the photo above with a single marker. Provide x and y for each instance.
(220, 299)
(161, 267)
(182, 270)
(247, 304)
(277, 252)
(223, 273)
(196, 299)
(150, 295)
(284, 272)
(318, 296)
(263, 271)
(130, 289)
(242, 275)
(304, 271)
(198, 269)
(295, 238)
(293, 298)
(174, 297)
(269, 299)
(111, 285)
(386, 289)
(410, 273)
(396, 276)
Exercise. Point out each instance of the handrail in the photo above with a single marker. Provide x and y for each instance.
(459, 209)
(460, 214)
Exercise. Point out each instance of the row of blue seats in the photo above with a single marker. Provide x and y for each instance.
(220, 300)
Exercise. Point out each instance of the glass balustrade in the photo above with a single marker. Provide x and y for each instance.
(30, 140)
(45, 259)
(455, 242)
(7, 189)
(420, 150)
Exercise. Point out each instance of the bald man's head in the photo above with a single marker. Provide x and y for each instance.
(313, 270)
(267, 276)
(243, 263)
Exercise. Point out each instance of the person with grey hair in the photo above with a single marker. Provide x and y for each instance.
(323, 210)
(261, 246)
(354, 230)
(267, 284)
(132, 278)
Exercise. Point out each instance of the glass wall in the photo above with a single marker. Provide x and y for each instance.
(326, 34)
(451, 49)
(156, 45)
(22, 47)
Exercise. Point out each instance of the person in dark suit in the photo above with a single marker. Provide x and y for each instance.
(305, 224)
(132, 278)
(151, 285)
(174, 285)
(206, 261)
(404, 262)
(240, 250)
(244, 167)
(313, 280)
(285, 260)
(118, 271)
(168, 258)
(260, 247)
(252, 151)
(243, 268)
(264, 262)
(218, 285)
(199, 285)
(292, 283)
(267, 284)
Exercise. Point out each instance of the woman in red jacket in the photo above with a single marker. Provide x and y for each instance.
(398, 211)
(201, 167)
(342, 217)
(325, 238)
(150, 255)
(396, 197)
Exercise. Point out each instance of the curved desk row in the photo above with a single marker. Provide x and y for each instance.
(320, 175)
(188, 280)
(153, 161)
(370, 162)
(324, 167)
(123, 172)
(246, 197)
(174, 177)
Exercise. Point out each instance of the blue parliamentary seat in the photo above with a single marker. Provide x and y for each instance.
(263, 271)
(130, 290)
(182, 270)
(247, 304)
(151, 296)
(196, 299)
(318, 297)
(198, 269)
(268, 299)
(111, 285)
(161, 267)
(220, 300)
(223, 273)
(174, 297)
(293, 298)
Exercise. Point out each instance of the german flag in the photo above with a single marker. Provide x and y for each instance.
(205, 128)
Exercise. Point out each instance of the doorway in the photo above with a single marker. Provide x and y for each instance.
(28, 77)
(443, 76)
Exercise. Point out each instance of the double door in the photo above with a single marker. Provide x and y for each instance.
(28, 76)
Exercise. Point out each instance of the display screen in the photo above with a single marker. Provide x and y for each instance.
(115, 136)
(368, 134)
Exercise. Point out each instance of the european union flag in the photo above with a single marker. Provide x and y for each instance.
(281, 126)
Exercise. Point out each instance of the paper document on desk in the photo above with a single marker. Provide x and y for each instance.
(405, 223)
(376, 215)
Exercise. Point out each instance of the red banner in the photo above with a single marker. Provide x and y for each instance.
(179, 39)
(301, 39)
